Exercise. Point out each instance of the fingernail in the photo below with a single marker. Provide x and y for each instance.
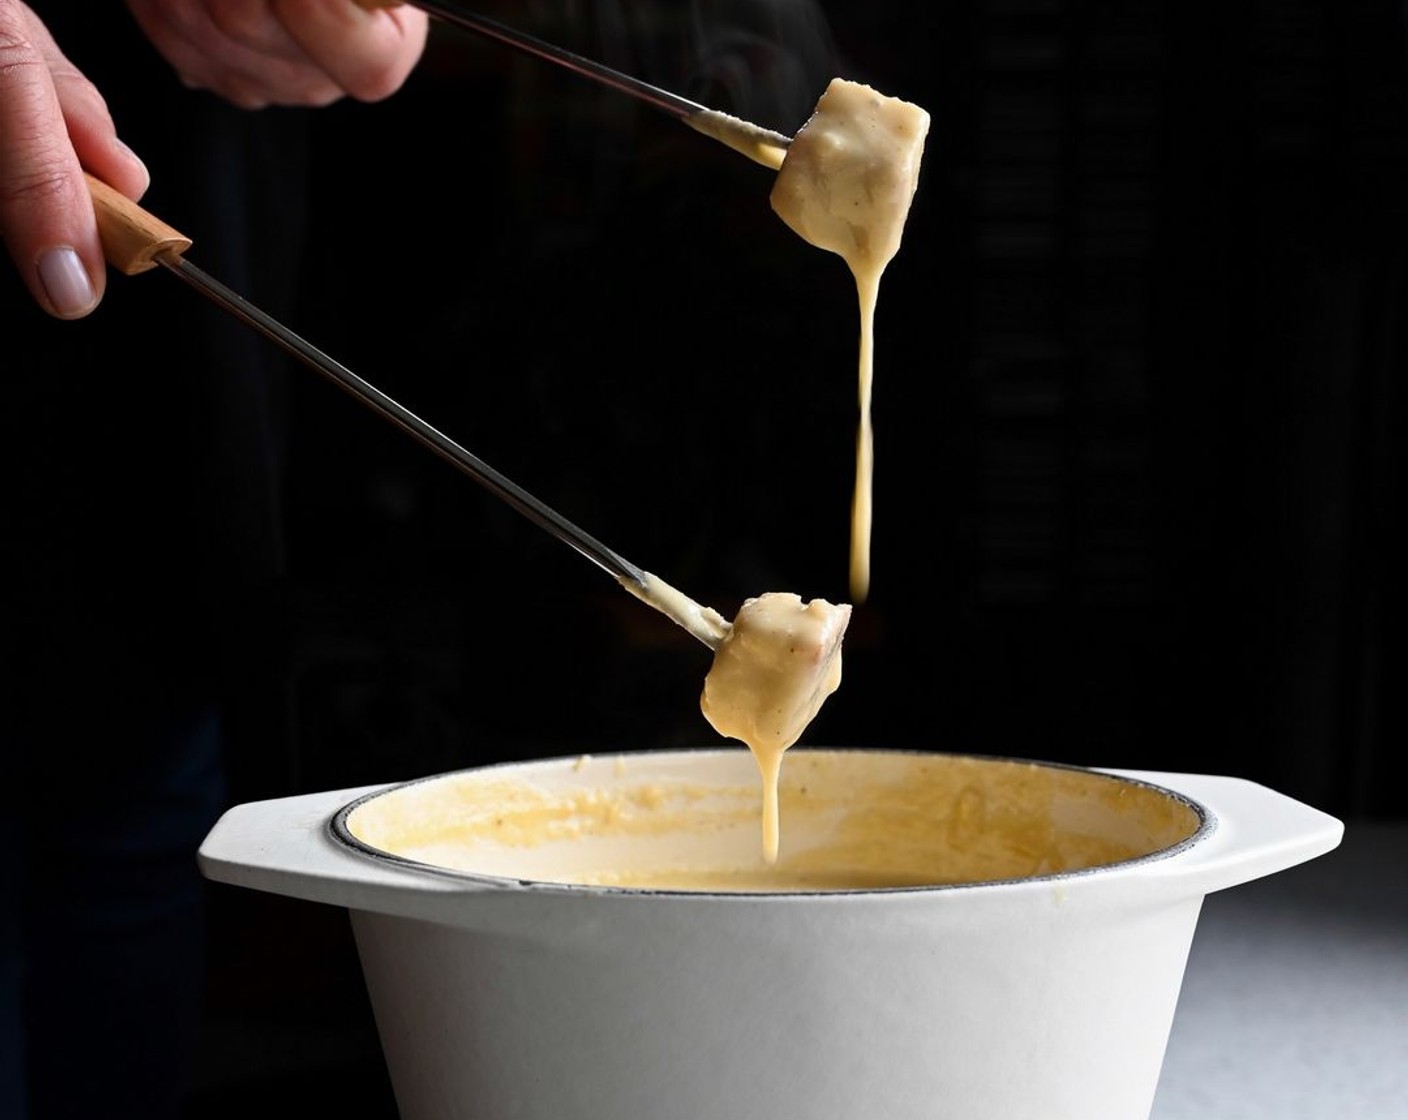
(66, 282)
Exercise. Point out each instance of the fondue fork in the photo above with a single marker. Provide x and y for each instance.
(762, 145)
(136, 241)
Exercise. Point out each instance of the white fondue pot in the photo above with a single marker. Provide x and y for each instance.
(1041, 988)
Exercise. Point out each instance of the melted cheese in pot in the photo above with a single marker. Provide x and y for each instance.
(770, 676)
(856, 820)
(846, 185)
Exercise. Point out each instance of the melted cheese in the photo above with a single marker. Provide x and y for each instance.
(846, 185)
(856, 820)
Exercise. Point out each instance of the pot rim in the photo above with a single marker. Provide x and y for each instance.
(337, 829)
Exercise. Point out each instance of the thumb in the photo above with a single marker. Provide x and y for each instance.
(52, 122)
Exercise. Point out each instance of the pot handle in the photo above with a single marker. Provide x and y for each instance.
(285, 846)
(1255, 831)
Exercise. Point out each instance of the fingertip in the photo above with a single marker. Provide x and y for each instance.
(119, 167)
(138, 177)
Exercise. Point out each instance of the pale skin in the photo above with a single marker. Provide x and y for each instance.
(55, 124)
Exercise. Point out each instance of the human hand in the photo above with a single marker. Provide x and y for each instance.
(53, 123)
(256, 53)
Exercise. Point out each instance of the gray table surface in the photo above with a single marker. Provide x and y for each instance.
(1295, 1000)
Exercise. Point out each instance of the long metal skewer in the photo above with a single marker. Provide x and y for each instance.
(404, 419)
(762, 145)
(136, 241)
(451, 11)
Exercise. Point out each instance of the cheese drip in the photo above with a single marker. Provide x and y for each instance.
(846, 185)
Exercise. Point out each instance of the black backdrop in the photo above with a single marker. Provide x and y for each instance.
(1137, 401)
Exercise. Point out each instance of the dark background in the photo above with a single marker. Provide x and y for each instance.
(1138, 406)
(1137, 395)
